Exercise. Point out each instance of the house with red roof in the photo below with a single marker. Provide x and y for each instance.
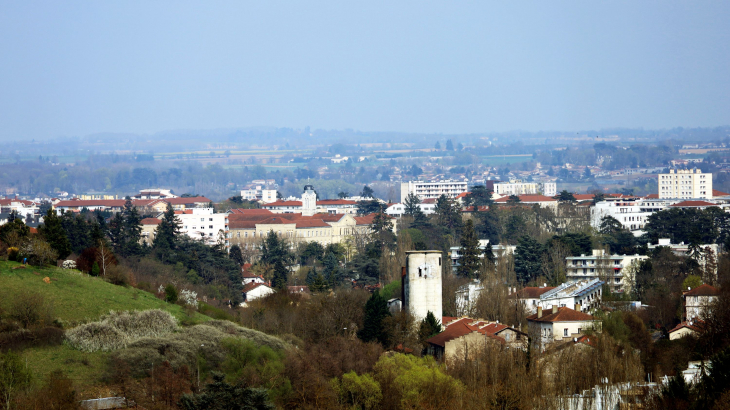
(699, 301)
(559, 324)
(463, 337)
(686, 328)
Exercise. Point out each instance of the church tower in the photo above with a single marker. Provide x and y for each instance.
(309, 201)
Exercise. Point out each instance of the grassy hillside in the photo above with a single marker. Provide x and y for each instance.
(76, 298)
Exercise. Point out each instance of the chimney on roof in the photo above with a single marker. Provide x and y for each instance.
(577, 307)
(555, 308)
(539, 312)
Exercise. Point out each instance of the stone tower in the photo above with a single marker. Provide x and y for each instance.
(422, 284)
(309, 201)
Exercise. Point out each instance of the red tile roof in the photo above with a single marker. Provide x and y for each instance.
(564, 314)
(186, 201)
(702, 290)
(312, 223)
(282, 203)
(255, 211)
(583, 197)
(687, 204)
(715, 193)
(696, 326)
(277, 220)
(429, 201)
(652, 196)
(242, 224)
(461, 327)
(150, 221)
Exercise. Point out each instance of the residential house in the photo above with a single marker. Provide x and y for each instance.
(698, 301)
(686, 328)
(462, 338)
(559, 324)
(254, 291)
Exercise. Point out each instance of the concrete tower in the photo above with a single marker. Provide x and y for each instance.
(309, 201)
(422, 284)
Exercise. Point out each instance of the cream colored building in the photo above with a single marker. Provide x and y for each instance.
(425, 190)
(685, 184)
(559, 324)
(618, 271)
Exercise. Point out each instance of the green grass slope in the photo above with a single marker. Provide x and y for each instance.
(76, 298)
(79, 298)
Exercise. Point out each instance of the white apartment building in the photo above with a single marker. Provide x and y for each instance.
(518, 187)
(685, 184)
(618, 271)
(259, 193)
(205, 225)
(632, 213)
(425, 190)
(584, 293)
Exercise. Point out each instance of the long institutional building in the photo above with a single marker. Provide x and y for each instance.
(685, 184)
(425, 190)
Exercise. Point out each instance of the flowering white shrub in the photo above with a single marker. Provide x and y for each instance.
(161, 289)
(117, 329)
(189, 297)
(69, 264)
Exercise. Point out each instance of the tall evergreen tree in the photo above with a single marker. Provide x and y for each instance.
(236, 254)
(428, 327)
(469, 260)
(168, 231)
(376, 310)
(449, 145)
(275, 252)
(528, 255)
(411, 204)
(53, 232)
(489, 254)
(447, 215)
(132, 230)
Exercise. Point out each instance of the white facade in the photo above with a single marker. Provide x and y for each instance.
(526, 188)
(425, 190)
(585, 295)
(685, 184)
(309, 201)
(205, 225)
(422, 284)
(617, 270)
(259, 193)
(398, 210)
(631, 213)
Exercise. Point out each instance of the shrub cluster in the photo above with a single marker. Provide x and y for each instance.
(185, 347)
(22, 339)
(118, 329)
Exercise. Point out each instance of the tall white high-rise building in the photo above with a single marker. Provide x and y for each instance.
(685, 184)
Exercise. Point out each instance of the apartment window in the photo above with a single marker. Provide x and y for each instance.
(210, 219)
(202, 219)
(580, 330)
(210, 226)
(565, 332)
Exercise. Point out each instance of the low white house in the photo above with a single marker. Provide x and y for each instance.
(254, 291)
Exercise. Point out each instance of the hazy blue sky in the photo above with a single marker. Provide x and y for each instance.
(74, 68)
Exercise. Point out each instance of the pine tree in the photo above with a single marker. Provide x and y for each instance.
(376, 310)
(489, 254)
(236, 255)
(528, 255)
(428, 327)
(449, 145)
(469, 260)
(168, 231)
(411, 204)
(132, 230)
(55, 235)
